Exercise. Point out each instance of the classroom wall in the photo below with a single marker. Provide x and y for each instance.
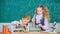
(11, 10)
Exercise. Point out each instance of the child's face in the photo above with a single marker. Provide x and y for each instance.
(39, 10)
(25, 21)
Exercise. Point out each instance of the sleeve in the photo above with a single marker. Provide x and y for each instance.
(14, 23)
(27, 26)
(46, 26)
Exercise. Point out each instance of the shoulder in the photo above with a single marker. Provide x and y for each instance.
(14, 22)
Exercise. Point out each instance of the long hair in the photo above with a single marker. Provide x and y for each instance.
(45, 12)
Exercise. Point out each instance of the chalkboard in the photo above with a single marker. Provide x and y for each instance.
(11, 10)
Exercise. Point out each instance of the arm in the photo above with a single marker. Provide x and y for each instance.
(26, 28)
(14, 23)
(46, 24)
(33, 21)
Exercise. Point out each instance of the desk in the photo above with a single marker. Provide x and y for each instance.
(32, 33)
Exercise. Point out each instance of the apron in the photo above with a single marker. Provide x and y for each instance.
(41, 22)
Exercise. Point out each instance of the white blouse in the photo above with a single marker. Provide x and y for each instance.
(38, 18)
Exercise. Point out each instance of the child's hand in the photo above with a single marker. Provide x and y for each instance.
(40, 25)
(33, 21)
(14, 23)
(26, 29)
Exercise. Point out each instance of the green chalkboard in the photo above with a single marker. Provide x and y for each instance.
(11, 10)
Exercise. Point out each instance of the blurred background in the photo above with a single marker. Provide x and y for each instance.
(11, 10)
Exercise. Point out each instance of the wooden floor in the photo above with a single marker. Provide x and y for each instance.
(32, 33)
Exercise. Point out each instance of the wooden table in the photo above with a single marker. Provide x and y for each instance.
(32, 33)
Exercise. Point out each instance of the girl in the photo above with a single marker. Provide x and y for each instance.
(41, 17)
